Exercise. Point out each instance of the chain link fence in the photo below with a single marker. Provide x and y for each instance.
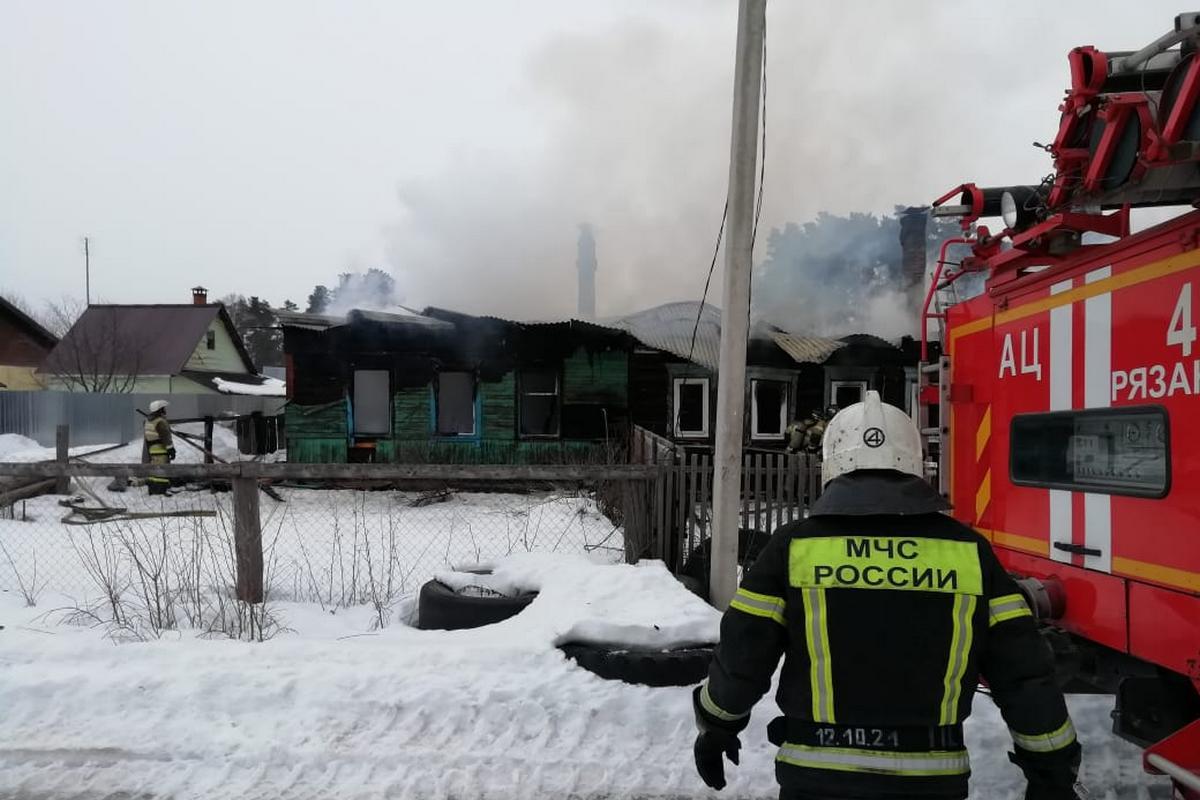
(116, 555)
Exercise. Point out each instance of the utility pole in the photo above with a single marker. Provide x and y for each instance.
(735, 304)
(87, 272)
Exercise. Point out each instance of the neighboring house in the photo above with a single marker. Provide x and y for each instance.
(673, 377)
(24, 344)
(447, 387)
(155, 349)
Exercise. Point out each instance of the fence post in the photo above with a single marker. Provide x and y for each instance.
(62, 445)
(208, 440)
(247, 538)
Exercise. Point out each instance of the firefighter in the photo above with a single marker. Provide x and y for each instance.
(886, 612)
(157, 432)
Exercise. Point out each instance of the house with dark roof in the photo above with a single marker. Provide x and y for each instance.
(24, 344)
(155, 349)
(447, 387)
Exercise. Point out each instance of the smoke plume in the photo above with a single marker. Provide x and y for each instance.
(637, 144)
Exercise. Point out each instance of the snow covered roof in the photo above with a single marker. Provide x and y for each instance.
(399, 316)
(239, 383)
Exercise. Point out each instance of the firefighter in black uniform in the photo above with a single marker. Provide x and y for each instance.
(887, 612)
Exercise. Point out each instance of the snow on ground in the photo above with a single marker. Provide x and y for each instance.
(336, 547)
(328, 711)
(270, 387)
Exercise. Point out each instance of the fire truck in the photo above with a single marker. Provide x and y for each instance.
(1062, 403)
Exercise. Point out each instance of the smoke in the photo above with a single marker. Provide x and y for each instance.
(373, 290)
(635, 141)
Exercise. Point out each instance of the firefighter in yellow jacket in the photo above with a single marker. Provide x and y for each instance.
(159, 444)
(887, 613)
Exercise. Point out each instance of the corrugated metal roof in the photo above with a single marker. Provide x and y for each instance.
(323, 322)
(669, 328)
(807, 349)
(137, 340)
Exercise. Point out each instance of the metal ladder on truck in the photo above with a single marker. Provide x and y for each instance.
(933, 395)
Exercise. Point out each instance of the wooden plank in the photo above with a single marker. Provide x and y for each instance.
(10, 496)
(772, 486)
(685, 547)
(247, 538)
(208, 440)
(379, 471)
(693, 495)
(62, 446)
(706, 491)
(757, 491)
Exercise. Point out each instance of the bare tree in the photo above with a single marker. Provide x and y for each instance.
(100, 352)
(59, 315)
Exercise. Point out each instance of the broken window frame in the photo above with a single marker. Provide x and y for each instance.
(705, 410)
(522, 394)
(863, 386)
(437, 405)
(355, 402)
(785, 389)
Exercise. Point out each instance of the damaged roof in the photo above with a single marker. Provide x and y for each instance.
(669, 328)
(807, 349)
(403, 317)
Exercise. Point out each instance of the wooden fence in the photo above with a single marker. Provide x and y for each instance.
(777, 488)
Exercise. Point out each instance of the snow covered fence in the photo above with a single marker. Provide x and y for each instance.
(333, 545)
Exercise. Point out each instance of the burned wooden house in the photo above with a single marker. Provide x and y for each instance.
(447, 387)
(673, 374)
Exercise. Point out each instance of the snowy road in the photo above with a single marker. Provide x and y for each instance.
(491, 714)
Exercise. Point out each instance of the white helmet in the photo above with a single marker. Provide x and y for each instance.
(870, 435)
(157, 405)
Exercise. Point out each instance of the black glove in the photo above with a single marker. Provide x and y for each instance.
(170, 454)
(1049, 781)
(710, 750)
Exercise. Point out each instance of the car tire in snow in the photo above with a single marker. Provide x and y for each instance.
(696, 568)
(682, 667)
(441, 608)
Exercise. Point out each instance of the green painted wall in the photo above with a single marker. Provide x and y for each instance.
(411, 413)
(316, 434)
(319, 432)
(601, 377)
(499, 409)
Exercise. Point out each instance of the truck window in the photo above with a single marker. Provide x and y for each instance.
(1106, 450)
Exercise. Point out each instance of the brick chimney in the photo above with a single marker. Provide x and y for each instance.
(199, 296)
(913, 223)
(585, 263)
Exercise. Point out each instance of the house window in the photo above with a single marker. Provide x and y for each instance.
(210, 340)
(539, 402)
(768, 409)
(455, 401)
(372, 402)
(691, 407)
(1104, 450)
(846, 393)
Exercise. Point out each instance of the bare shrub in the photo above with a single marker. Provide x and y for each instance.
(29, 588)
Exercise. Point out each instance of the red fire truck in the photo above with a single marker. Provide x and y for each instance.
(1063, 403)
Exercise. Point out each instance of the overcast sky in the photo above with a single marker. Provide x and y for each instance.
(261, 148)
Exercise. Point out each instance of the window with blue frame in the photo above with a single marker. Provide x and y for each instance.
(454, 400)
